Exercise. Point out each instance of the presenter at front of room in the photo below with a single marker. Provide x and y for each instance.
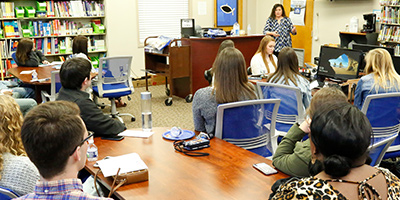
(280, 26)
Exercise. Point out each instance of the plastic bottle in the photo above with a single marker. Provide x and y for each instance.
(92, 152)
(146, 111)
(248, 29)
(236, 28)
(34, 75)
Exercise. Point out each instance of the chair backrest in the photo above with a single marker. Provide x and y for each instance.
(291, 109)
(14, 57)
(300, 56)
(378, 149)
(55, 84)
(383, 112)
(248, 124)
(114, 70)
(6, 193)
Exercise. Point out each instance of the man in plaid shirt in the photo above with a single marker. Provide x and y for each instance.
(55, 139)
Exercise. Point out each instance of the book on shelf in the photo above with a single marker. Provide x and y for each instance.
(11, 29)
(7, 9)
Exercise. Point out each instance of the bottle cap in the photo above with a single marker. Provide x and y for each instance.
(145, 95)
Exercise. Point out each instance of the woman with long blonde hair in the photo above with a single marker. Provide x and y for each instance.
(264, 60)
(230, 84)
(17, 172)
(381, 76)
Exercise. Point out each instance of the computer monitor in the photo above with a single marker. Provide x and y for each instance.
(187, 28)
(300, 56)
(337, 63)
(367, 47)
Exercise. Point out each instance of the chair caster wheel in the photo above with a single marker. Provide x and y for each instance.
(189, 98)
(167, 91)
(133, 119)
(168, 102)
(102, 107)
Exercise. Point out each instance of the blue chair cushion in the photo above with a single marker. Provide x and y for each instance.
(117, 94)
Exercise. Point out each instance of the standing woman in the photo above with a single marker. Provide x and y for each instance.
(264, 61)
(17, 172)
(230, 84)
(27, 55)
(288, 73)
(381, 76)
(279, 26)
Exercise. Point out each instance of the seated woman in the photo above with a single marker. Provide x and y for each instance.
(340, 136)
(264, 60)
(27, 55)
(230, 84)
(17, 172)
(293, 156)
(288, 73)
(22, 95)
(224, 44)
(381, 76)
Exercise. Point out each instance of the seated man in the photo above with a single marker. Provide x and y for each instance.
(75, 78)
(55, 139)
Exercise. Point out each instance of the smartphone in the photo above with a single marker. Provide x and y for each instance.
(113, 137)
(265, 169)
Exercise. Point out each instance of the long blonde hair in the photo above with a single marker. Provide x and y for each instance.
(379, 62)
(10, 128)
(288, 67)
(230, 77)
(262, 49)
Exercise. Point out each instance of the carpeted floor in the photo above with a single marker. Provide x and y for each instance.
(178, 114)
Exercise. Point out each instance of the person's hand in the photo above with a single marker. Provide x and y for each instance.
(275, 34)
(45, 62)
(305, 126)
(294, 31)
(7, 92)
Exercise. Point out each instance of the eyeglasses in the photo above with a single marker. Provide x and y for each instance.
(83, 141)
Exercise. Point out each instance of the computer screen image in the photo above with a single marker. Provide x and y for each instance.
(341, 64)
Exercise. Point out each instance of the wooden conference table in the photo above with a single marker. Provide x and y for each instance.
(43, 72)
(227, 173)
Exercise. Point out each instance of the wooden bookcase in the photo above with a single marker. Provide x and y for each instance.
(389, 34)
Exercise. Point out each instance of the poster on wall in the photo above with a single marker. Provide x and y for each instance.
(227, 12)
(297, 12)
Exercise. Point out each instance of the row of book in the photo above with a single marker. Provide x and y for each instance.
(390, 14)
(389, 2)
(74, 8)
(389, 34)
(7, 9)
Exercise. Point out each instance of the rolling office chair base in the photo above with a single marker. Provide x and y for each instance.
(115, 114)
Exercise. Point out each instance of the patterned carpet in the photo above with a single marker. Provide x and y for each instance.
(178, 114)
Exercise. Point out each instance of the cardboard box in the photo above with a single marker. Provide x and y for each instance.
(140, 83)
(157, 80)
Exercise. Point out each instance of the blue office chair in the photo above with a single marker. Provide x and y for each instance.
(114, 81)
(54, 88)
(14, 57)
(378, 149)
(291, 109)
(383, 112)
(249, 124)
(6, 193)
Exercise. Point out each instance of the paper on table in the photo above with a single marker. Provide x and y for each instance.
(128, 163)
(27, 72)
(131, 133)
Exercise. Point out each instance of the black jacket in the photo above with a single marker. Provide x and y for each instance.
(93, 117)
(35, 58)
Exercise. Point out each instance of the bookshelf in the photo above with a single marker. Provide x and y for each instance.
(389, 34)
(52, 25)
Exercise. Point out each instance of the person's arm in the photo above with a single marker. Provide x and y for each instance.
(268, 29)
(198, 120)
(255, 65)
(292, 28)
(358, 97)
(43, 59)
(96, 121)
(292, 157)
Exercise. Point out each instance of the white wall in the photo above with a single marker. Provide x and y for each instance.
(122, 34)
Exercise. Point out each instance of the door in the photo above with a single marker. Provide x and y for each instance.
(303, 39)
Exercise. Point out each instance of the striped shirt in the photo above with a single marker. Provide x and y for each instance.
(71, 189)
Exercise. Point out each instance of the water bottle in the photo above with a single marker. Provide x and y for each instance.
(248, 29)
(146, 111)
(92, 152)
(236, 28)
(34, 75)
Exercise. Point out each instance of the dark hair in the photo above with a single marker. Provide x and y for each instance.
(288, 67)
(49, 133)
(25, 46)
(80, 45)
(273, 16)
(342, 134)
(73, 72)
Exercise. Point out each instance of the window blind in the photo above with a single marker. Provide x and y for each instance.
(161, 17)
